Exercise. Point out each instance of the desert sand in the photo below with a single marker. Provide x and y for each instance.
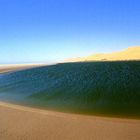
(25, 123)
(131, 53)
(14, 67)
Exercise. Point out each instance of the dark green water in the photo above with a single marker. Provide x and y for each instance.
(104, 88)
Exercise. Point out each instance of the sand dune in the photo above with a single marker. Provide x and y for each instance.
(24, 123)
(131, 53)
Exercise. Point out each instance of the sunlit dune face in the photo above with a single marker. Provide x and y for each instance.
(131, 53)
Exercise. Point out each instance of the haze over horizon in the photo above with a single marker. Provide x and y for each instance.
(52, 30)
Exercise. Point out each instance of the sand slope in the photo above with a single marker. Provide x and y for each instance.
(131, 53)
(24, 123)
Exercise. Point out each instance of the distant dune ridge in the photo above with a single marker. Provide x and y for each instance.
(131, 53)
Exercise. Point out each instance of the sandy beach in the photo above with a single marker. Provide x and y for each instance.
(25, 123)
(14, 67)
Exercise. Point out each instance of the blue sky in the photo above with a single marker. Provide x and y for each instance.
(51, 30)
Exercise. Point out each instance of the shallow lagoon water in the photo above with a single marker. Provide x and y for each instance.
(110, 88)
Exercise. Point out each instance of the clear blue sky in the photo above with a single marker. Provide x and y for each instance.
(50, 30)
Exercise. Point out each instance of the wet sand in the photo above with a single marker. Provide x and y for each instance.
(25, 123)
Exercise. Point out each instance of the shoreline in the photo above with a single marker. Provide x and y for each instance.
(58, 113)
(25, 105)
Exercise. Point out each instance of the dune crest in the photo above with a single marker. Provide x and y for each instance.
(131, 53)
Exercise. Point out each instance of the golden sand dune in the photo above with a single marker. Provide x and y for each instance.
(24, 123)
(131, 53)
